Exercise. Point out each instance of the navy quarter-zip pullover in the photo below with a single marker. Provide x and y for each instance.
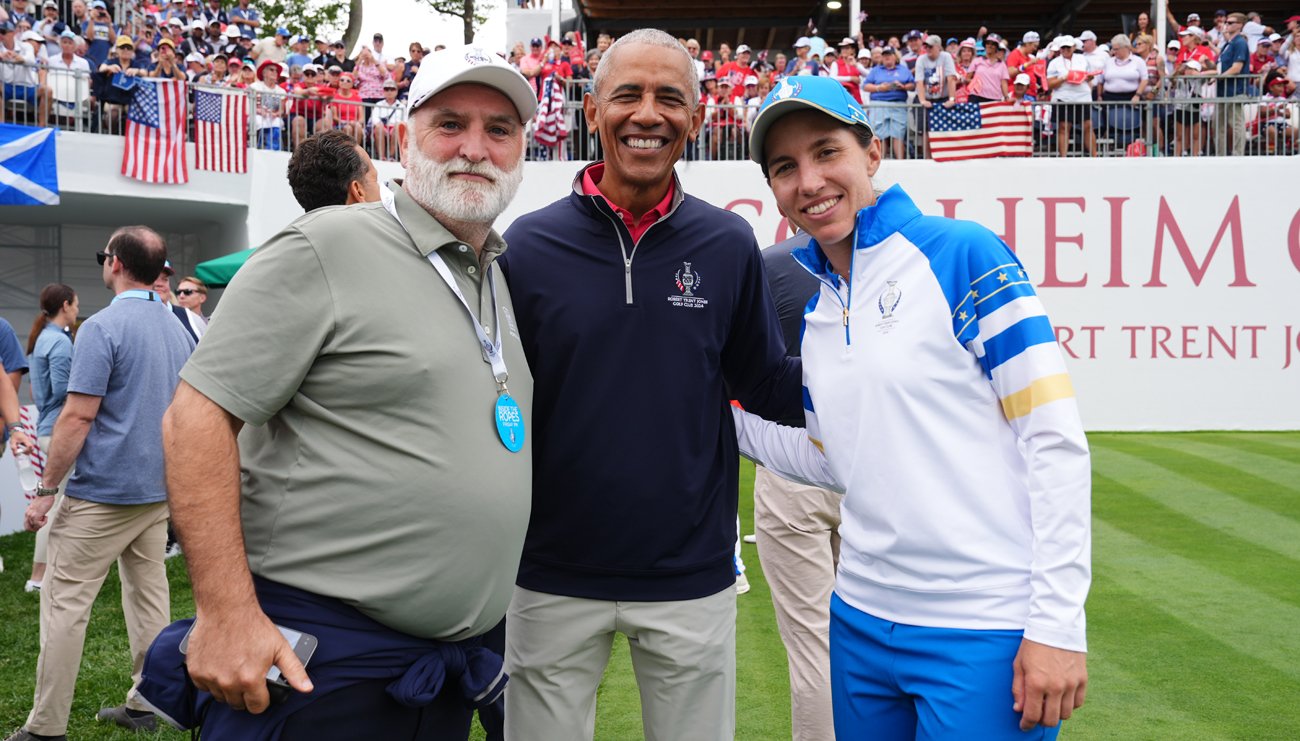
(636, 350)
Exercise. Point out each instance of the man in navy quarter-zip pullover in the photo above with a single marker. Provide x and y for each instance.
(641, 317)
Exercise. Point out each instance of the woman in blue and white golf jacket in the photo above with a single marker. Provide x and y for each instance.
(937, 400)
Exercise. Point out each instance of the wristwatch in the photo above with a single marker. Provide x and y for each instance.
(41, 491)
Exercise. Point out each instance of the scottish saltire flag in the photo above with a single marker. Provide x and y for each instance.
(28, 174)
(979, 130)
(221, 131)
(155, 133)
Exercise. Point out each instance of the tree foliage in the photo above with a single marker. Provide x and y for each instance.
(472, 13)
(312, 17)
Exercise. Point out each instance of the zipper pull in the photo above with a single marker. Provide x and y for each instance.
(846, 316)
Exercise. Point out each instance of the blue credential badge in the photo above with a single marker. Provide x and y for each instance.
(510, 423)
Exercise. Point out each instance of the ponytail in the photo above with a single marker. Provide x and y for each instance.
(53, 297)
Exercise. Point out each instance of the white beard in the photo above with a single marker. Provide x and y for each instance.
(430, 184)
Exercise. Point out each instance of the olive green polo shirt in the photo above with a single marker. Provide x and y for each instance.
(371, 467)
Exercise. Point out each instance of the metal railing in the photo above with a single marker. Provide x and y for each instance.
(1183, 119)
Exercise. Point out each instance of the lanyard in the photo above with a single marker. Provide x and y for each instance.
(139, 293)
(491, 348)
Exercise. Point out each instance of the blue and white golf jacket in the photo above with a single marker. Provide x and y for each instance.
(934, 387)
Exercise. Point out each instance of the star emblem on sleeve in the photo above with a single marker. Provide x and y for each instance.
(1002, 277)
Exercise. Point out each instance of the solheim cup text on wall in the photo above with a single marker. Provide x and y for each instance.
(1173, 303)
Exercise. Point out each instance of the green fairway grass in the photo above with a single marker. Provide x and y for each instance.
(1194, 616)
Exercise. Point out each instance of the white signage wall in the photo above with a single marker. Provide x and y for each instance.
(1174, 284)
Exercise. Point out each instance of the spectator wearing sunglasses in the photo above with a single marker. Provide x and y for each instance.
(190, 295)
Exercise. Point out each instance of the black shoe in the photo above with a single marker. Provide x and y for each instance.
(132, 720)
(22, 734)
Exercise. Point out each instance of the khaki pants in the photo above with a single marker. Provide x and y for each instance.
(798, 546)
(683, 653)
(85, 539)
(43, 535)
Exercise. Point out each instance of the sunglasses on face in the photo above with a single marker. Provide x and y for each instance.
(102, 257)
(187, 291)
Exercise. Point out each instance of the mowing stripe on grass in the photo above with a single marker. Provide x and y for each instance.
(1211, 473)
(1256, 624)
(1287, 455)
(1123, 701)
(1282, 474)
(1215, 509)
(1128, 509)
(1190, 683)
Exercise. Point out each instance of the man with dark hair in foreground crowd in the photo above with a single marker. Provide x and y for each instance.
(330, 169)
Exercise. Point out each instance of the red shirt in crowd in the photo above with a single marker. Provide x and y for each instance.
(349, 109)
(1201, 53)
(1018, 62)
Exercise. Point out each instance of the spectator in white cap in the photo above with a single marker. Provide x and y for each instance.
(1189, 129)
(936, 75)
(843, 68)
(196, 65)
(1092, 54)
(799, 65)
(45, 27)
(68, 71)
(29, 82)
(399, 649)
(197, 41)
(753, 101)
(1020, 90)
(1070, 83)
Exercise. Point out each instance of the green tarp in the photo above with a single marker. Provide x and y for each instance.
(217, 273)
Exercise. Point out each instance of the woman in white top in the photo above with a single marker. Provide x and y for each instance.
(1067, 78)
(384, 118)
(1125, 76)
(269, 105)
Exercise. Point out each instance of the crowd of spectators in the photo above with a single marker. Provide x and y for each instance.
(69, 59)
(1224, 89)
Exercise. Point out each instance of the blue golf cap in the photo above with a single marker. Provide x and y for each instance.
(281, 31)
(792, 94)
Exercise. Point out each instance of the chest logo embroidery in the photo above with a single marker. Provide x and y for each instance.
(688, 281)
(888, 303)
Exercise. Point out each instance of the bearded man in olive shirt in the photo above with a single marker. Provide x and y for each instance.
(383, 486)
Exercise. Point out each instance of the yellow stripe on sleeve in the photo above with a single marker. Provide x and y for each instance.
(817, 443)
(1043, 391)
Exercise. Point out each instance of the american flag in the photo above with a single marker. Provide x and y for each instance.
(155, 133)
(979, 130)
(221, 131)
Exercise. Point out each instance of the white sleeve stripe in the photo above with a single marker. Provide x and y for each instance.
(1004, 316)
(1037, 361)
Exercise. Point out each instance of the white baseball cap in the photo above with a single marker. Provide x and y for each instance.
(1065, 40)
(751, 80)
(458, 65)
(802, 41)
(1174, 45)
(743, 48)
(1087, 36)
(1030, 37)
(1021, 79)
